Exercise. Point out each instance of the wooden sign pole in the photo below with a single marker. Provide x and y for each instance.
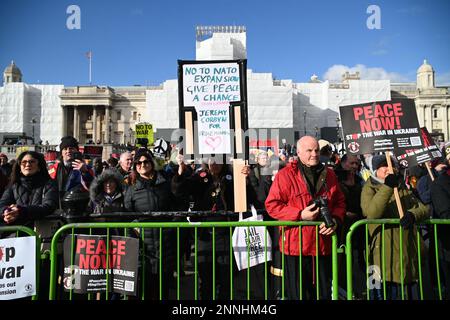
(427, 164)
(396, 194)
(189, 132)
(239, 179)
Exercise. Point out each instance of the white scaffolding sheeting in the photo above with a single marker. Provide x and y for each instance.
(269, 101)
(51, 114)
(12, 101)
(162, 106)
(360, 91)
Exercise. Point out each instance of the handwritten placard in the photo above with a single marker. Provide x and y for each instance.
(210, 88)
(211, 84)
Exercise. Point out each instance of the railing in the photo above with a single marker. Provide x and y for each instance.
(27, 231)
(215, 226)
(415, 242)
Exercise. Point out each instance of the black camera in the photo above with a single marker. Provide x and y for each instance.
(77, 156)
(322, 204)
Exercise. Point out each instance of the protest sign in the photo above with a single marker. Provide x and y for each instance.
(144, 134)
(89, 268)
(427, 152)
(380, 126)
(210, 88)
(17, 268)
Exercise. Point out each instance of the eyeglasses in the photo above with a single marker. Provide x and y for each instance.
(24, 162)
(145, 162)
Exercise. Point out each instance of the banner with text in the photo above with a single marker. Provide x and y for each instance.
(428, 152)
(17, 268)
(87, 270)
(210, 87)
(380, 126)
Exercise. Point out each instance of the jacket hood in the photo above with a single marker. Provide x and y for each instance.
(97, 185)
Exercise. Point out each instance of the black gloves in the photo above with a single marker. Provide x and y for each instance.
(392, 180)
(408, 220)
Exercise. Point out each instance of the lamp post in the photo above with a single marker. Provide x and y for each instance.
(337, 129)
(33, 121)
(131, 135)
(304, 122)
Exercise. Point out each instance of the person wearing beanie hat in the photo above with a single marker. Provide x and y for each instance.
(70, 173)
(378, 202)
(68, 142)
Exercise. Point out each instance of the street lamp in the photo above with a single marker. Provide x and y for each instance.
(304, 121)
(131, 134)
(33, 121)
(337, 129)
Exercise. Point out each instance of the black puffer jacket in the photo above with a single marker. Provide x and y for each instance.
(260, 180)
(440, 197)
(99, 202)
(35, 196)
(154, 195)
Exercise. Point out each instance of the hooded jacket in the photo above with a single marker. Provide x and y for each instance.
(99, 202)
(378, 202)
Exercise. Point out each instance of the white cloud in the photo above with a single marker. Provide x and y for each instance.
(335, 72)
(443, 79)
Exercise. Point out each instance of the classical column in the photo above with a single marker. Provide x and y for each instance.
(107, 118)
(94, 124)
(64, 122)
(444, 109)
(420, 115)
(76, 122)
(430, 118)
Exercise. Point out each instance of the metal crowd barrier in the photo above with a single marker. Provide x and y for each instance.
(77, 228)
(19, 230)
(420, 282)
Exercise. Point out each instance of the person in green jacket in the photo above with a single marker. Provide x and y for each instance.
(378, 202)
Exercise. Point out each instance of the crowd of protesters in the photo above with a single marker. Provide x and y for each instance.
(293, 186)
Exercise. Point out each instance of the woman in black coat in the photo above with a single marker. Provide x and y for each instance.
(106, 193)
(150, 191)
(440, 197)
(31, 194)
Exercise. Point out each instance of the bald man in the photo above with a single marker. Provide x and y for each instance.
(291, 199)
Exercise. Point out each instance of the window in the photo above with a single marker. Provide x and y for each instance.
(435, 113)
(134, 115)
(119, 115)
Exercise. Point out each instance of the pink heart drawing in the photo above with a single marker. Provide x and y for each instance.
(213, 142)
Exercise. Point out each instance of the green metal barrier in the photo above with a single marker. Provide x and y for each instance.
(30, 232)
(214, 225)
(383, 222)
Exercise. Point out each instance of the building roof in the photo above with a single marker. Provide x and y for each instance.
(425, 67)
(12, 68)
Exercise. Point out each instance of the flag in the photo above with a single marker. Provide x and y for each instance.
(89, 54)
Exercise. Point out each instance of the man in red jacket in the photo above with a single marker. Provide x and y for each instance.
(291, 198)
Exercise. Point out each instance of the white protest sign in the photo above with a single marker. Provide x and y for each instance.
(210, 88)
(17, 268)
(214, 129)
